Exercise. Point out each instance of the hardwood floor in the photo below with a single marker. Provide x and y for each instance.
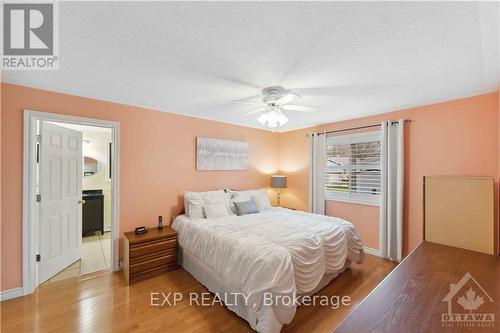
(437, 288)
(105, 303)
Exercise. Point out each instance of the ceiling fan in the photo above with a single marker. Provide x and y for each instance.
(274, 100)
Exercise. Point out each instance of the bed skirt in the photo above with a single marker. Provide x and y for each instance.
(262, 318)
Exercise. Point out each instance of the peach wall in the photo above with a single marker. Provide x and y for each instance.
(157, 161)
(366, 218)
(458, 137)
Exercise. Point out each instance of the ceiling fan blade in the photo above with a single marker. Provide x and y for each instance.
(253, 112)
(255, 98)
(285, 99)
(195, 68)
(245, 102)
(354, 90)
(300, 108)
(234, 80)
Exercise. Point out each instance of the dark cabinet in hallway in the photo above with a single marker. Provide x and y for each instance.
(93, 211)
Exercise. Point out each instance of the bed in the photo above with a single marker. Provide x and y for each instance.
(261, 259)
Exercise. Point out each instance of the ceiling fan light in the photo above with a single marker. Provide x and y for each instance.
(282, 119)
(262, 119)
(272, 119)
(268, 119)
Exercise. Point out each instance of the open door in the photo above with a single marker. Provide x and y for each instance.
(60, 223)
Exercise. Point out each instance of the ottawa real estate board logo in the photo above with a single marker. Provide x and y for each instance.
(469, 305)
(30, 36)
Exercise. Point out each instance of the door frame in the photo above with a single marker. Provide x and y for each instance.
(30, 208)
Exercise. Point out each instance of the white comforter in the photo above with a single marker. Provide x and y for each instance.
(279, 251)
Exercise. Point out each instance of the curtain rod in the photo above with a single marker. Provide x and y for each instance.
(357, 128)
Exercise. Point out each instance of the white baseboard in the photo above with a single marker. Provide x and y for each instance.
(372, 251)
(11, 293)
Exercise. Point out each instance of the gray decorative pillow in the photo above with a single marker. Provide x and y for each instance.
(246, 207)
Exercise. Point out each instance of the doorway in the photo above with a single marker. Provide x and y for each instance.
(71, 176)
(96, 178)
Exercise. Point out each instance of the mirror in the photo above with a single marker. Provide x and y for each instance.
(90, 166)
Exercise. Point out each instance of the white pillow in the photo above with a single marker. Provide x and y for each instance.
(258, 196)
(194, 202)
(213, 211)
(239, 196)
(261, 200)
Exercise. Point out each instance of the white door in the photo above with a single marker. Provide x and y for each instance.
(60, 228)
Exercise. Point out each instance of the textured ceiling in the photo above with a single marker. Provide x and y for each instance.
(350, 59)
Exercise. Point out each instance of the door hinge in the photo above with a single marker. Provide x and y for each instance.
(38, 198)
(39, 138)
(38, 257)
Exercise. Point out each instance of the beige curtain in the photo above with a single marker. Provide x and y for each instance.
(317, 173)
(392, 185)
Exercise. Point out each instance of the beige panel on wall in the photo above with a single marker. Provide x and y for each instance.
(459, 211)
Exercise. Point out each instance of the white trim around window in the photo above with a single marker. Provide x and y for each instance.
(359, 201)
(353, 138)
(351, 196)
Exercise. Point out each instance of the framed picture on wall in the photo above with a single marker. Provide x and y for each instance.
(218, 154)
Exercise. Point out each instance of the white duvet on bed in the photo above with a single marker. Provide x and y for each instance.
(279, 251)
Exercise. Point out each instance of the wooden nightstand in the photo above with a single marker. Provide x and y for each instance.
(150, 254)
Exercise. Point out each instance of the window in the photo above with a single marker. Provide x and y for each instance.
(353, 168)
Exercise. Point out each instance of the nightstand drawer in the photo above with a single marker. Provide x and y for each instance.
(152, 272)
(154, 262)
(141, 249)
(149, 254)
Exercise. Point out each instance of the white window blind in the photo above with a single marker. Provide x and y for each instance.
(353, 168)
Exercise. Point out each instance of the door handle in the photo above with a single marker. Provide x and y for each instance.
(81, 202)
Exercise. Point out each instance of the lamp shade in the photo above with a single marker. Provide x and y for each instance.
(278, 181)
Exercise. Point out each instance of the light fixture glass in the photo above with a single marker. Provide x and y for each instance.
(273, 118)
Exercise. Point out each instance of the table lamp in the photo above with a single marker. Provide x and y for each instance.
(278, 182)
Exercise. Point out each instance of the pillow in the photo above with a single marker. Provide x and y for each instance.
(231, 194)
(193, 207)
(245, 207)
(194, 202)
(239, 196)
(215, 210)
(261, 200)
